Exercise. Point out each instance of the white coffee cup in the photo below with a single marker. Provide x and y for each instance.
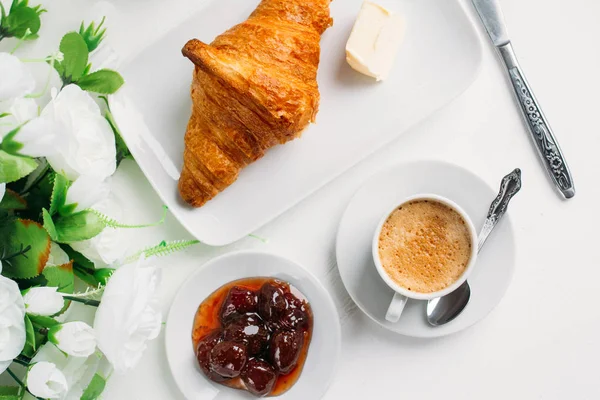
(402, 294)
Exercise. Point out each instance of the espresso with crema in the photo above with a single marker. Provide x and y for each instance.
(424, 246)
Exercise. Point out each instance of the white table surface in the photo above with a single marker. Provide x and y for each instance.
(543, 340)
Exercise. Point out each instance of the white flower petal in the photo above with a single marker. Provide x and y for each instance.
(108, 246)
(12, 322)
(76, 338)
(44, 301)
(23, 109)
(19, 110)
(17, 80)
(87, 144)
(38, 137)
(78, 371)
(50, 353)
(2, 191)
(86, 192)
(128, 316)
(45, 380)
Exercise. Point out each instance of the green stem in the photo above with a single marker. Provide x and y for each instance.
(20, 382)
(23, 363)
(265, 241)
(24, 359)
(12, 374)
(38, 95)
(47, 171)
(87, 302)
(19, 43)
(111, 223)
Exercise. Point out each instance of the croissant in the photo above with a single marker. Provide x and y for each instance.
(255, 86)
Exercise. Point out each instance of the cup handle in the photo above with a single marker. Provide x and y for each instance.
(396, 307)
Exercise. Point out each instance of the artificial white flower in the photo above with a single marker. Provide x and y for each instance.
(110, 245)
(45, 301)
(86, 192)
(129, 315)
(78, 371)
(85, 142)
(36, 139)
(45, 380)
(76, 338)
(16, 80)
(18, 111)
(12, 322)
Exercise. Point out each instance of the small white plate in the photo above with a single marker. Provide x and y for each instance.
(437, 61)
(495, 264)
(325, 345)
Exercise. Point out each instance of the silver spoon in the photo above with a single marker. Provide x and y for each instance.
(444, 309)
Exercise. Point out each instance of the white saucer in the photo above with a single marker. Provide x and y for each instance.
(324, 348)
(495, 265)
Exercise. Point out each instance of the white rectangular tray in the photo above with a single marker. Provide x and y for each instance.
(438, 60)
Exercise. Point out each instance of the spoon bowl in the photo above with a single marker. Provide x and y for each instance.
(444, 309)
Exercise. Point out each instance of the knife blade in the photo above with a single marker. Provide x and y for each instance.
(546, 143)
(493, 20)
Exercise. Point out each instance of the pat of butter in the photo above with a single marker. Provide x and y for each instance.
(374, 41)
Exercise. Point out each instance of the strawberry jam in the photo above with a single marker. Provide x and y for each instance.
(253, 334)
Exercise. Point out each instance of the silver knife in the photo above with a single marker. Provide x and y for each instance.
(545, 141)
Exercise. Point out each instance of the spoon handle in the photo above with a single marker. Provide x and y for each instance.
(510, 185)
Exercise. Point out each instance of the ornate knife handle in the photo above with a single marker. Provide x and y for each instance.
(544, 139)
(510, 185)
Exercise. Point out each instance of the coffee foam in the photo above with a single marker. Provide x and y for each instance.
(424, 246)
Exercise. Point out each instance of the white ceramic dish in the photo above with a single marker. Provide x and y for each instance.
(438, 60)
(325, 345)
(402, 294)
(492, 272)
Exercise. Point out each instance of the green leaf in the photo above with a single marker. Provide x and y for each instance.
(42, 321)
(8, 143)
(162, 249)
(78, 258)
(59, 193)
(2, 115)
(22, 22)
(83, 268)
(16, 234)
(83, 225)
(122, 149)
(95, 388)
(75, 54)
(30, 342)
(103, 275)
(113, 223)
(103, 81)
(62, 277)
(12, 201)
(49, 225)
(38, 191)
(32, 36)
(11, 393)
(13, 168)
(93, 35)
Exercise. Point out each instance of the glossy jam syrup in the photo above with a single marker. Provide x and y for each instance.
(208, 319)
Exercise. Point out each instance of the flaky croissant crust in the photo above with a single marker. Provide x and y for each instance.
(255, 86)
